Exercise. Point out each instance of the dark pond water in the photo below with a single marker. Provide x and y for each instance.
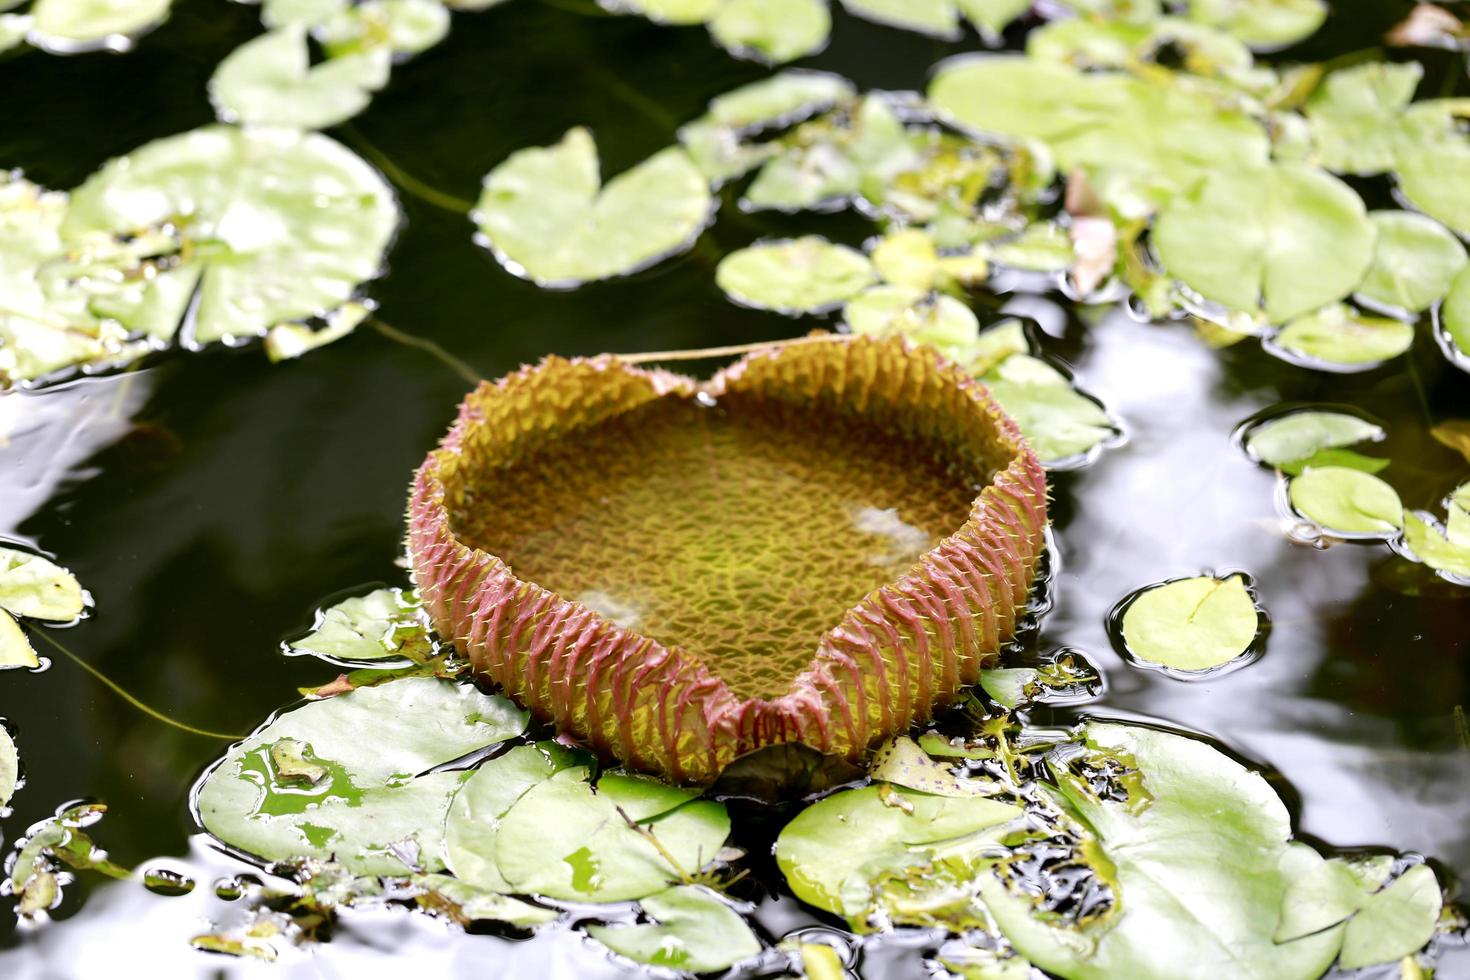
(208, 502)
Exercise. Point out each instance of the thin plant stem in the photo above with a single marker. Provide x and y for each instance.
(418, 188)
(456, 365)
(117, 689)
(709, 352)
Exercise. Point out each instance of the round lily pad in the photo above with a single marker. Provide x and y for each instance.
(801, 275)
(1339, 336)
(270, 81)
(1346, 501)
(546, 216)
(694, 931)
(1454, 318)
(254, 228)
(940, 18)
(1414, 262)
(373, 627)
(1264, 24)
(1300, 435)
(67, 26)
(885, 310)
(773, 31)
(350, 777)
(1279, 241)
(37, 587)
(1193, 624)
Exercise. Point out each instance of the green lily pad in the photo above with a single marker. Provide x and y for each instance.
(1340, 335)
(1326, 893)
(65, 26)
(1040, 247)
(885, 310)
(546, 216)
(1454, 315)
(563, 840)
(36, 587)
(1284, 240)
(1346, 501)
(694, 931)
(773, 31)
(484, 799)
(1414, 262)
(940, 18)
(1058, 421)
(801, 275)
(371, 627)
(349, 776)
(1335, 457)
(15, 646)
(992, 16)
(1436, 180)
(1360, 121)
(1395, 922)
(1299, 435)
(1007, 686)
(244, 229)
(1432, 546)
(783, 98)
(1193, 624)
(269, 81)
(9, 767)
(669, 11)
(1198, 869)
(1265, 24)
(473, 904)
(903, 762)
(833, 851)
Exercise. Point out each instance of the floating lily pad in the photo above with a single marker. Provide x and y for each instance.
(1444, 548)
(902, 762)
(1335, 457)
(363, 628)
(1339, 335)
(1414, 262)
(1359, 117)
(15, 646)
(269, 80)
(694, 931)
(1436, 180)
(349, 777)
(9, 765)
(1454, 316)
(801, 275)
(1347, 501)
(484, 799)
(36, 587)
(1266, 24)
(834, 851)
(1058, 421)
(940, 18)
(668, 11)
(243, 229)
(546, 216)
(1395, 922)
(1284, 240)
(67, 26)
(1193, 624)
(773, 31)
(885, 310)
(786, 97)
(563, 840)
(473, 904)
(1300, 435)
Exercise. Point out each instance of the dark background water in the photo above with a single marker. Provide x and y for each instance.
(210, 500)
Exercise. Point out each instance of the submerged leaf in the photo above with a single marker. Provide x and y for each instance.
(1193, 624)
(1299, 435)
(370, 808)
(546, 216)
(1346, 501)
(694, 931)
(801, 275)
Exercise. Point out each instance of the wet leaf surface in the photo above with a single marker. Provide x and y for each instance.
(694, 930)
(1193, 624)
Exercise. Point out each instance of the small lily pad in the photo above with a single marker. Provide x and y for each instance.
(902, 762)
(15, 646)
(1395, 922)
(940, 18)
(884, 310)
(9, 766)
(66, 26)
(36, 587)
(773, 31)
(270, 81)
(563, 840)
(695, 931)
(1339, 335)
(1058, 421)
(1264, 24)
(371, 627)
(1347, 501)
(802, 275)
(1193, 624)
(356, 778)
(1299, 435)
(1454, 315)
(471, 904)
(546, 216)
(1414, 262)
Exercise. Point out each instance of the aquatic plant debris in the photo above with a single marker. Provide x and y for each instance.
(546, 216)
(717, 673)
(234, 231)
(1191, 625)
(33, 587)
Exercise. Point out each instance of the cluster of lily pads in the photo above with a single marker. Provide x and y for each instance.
(1336, 488)
(1104, 849)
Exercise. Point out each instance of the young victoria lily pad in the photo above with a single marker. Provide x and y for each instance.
(801, 275)
(270, 81)
(350, 776)
(695, 931)
(1414, 262)
(1341, 337)
(826, 622)
(1341, 500)
(1192, 624)
(563, 840)
(1284, 239)
(546, 217)
(1301, 435)
(835, 851)
(243, 229)
(372, 627)
(1200, 869)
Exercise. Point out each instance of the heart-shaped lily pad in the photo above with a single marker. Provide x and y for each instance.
(819, 545)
